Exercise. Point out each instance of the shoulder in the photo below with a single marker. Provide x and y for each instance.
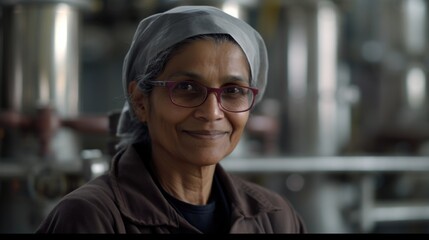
(280, 215)
(248, 192)
(96, 193)
(96, 189)
(89, 208)
(258, 191)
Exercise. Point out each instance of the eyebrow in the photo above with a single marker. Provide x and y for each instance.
(232, 78)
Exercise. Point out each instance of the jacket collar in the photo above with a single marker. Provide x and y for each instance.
(141, 201)
(246, 198)
(137, 194)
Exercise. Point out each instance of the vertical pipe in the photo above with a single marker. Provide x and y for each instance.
(312, 81)
(40, 65)
(40, 68)
(297, 76)
(327, 81)
(41, 54)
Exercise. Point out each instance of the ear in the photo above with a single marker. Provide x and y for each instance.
(138, 101)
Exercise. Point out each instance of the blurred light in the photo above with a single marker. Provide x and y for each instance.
(416, 87)
(98, 168)
(297, 60)
(60, 50)
(327, 78)
(232, 8)
(415, 25)
(91, 153)
(326, 47)
(295, 182)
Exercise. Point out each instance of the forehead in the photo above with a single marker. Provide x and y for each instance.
(209, 54)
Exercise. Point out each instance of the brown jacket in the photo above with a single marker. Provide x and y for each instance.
(127, 200)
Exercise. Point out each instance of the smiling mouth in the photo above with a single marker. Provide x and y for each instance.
(206, 134)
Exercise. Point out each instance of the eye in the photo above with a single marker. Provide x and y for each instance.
(235, 90)
(185, 86)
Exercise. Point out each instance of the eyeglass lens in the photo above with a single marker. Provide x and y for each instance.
(232, 98)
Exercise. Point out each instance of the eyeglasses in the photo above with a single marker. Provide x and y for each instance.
(188, 94)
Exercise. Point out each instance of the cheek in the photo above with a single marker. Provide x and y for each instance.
(163, 117)
(161, 127)
(238, 122)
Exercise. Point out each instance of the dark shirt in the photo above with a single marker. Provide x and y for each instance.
(214, 217)
(210, 218)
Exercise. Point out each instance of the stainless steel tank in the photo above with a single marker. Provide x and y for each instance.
(40, 70)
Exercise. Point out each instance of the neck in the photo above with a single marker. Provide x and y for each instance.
(188, 184)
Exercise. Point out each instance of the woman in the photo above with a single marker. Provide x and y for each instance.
(191, 77)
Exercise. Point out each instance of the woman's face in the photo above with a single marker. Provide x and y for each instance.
(206, 134)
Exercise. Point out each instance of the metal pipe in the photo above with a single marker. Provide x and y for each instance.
(41, 55)
(334, 164)
(41, 68)
(324, 165)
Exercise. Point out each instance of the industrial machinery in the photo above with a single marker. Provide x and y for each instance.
(342, 132)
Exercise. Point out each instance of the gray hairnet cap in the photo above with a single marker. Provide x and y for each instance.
(160, 31)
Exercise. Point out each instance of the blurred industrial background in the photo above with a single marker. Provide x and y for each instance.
(343, 131)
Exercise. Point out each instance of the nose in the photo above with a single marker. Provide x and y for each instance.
(210, 110)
